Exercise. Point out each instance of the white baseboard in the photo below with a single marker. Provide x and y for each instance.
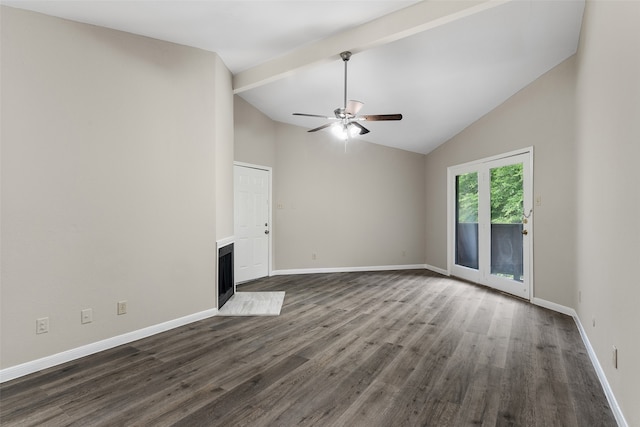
(437, 270)
(347, 269)
(613, 403)
(555, 307)
(86, 350)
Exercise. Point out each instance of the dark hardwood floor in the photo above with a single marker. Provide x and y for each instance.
(402, 348)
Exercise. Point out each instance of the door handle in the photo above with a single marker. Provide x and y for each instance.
(266, 231)
(525, 232)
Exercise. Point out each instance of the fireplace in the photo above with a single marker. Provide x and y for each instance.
(226, 286)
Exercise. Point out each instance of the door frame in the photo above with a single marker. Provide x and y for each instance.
(454, 170)
(269, 171)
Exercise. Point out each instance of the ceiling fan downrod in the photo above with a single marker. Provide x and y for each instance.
(346, 55)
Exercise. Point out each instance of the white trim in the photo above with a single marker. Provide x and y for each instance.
(532, 222)
(348, 269)
(555, 307)
(17, 371)
(253, 166)
(224, 242)
(513, 153)
(86, 350)
(269, 170)
(437, 270)
(611, 398)
(480, 275)
(608, 392)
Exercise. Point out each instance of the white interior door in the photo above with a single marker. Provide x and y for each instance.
(491, 223)
(251, 223)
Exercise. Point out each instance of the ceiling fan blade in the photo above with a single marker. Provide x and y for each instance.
(353, 107)
(363, 130)
(381, 117)
(312, 115)
(320, 127)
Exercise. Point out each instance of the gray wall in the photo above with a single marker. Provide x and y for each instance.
(363, 207)
(583, 120)
(254, 134)
(110, 174)
(608, 197)
(360, 208)
(114, 145)
(543, 116)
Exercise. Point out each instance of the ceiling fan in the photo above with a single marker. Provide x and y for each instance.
(346, 122)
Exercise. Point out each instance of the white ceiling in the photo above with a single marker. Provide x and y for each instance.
(443, 64)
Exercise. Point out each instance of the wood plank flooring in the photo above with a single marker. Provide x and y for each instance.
(401, 348)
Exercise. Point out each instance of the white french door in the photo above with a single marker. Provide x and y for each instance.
(490, 222)
(251, 222)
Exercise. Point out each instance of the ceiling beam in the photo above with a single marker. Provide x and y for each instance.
(403, 23)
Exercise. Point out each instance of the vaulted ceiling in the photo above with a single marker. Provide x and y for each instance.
(443, 64)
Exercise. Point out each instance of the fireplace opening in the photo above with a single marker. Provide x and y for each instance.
(225, 274)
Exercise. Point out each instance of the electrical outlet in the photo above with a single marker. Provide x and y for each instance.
(579, 296)
(615, 357)
(42, 325)
(594, 322)
(122, 307)
(86, 316)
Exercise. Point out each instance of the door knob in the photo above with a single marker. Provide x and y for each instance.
(525, 232)
(266, 231)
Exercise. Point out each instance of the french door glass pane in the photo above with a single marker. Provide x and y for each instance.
(467, 220)
(506, 221)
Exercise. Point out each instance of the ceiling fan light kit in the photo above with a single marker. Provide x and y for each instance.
(345, 123)
(342, 131)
